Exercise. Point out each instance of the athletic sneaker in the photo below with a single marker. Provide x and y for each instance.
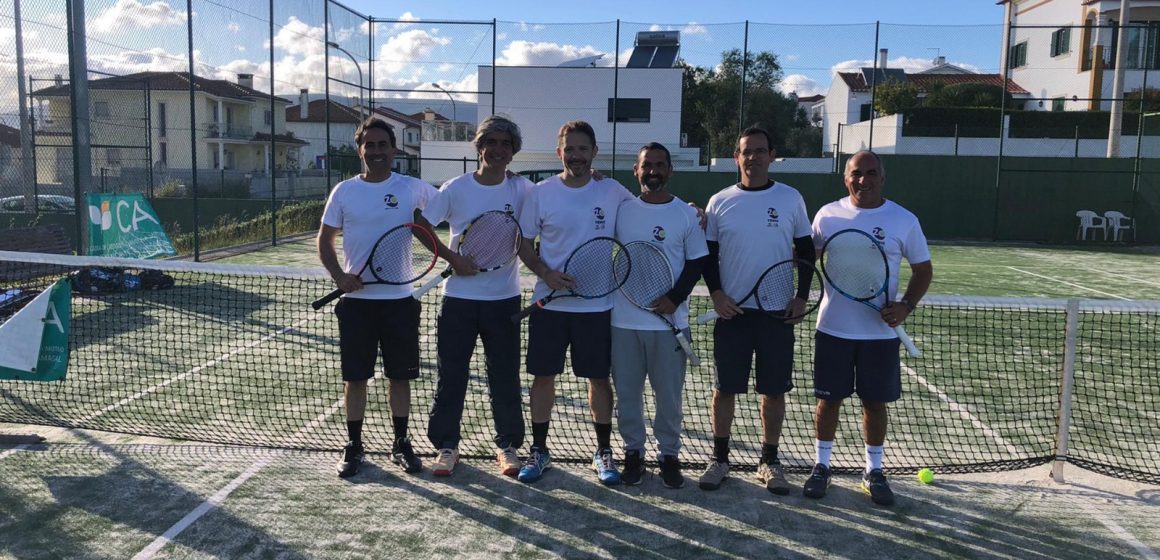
(633, 468)
(445, 462)
(671, 472)
(818, 482)
(605, 467)
(352, 458)
(403, 454)
(538, 461)
(773, 477)
(713, 476)
(874, 483)
(508, 461)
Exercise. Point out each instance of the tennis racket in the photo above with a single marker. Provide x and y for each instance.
(596, 269)
(403, 255)
(776, 288)
(854, 263)
(651, 278)
(491, 241)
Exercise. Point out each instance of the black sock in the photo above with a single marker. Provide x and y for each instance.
(603, 435)
(540, 435)
(400, 423)
(354, 430)
(721, 449)
(769, 454)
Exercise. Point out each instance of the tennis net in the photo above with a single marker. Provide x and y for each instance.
(234, 354)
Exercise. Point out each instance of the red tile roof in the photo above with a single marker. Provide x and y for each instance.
(856, 82)
(339, 113)
(404, 118)
(811, 98)
(164, 81)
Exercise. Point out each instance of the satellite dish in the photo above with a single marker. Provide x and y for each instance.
(581, 62)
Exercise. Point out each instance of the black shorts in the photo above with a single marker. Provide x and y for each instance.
(366, 326)
(843, 366)
(736, 340)
(550, 333)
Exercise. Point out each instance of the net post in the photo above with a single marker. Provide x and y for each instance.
(1067, 386)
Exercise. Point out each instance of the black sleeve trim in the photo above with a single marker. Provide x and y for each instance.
(687, 280)
(711, 270)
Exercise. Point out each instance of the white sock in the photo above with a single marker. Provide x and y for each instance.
(823, 452)
(873, 457)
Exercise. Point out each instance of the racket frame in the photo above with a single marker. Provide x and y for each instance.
(542, 302)
(811, 304)
(682, 340)
(417, 233)
(447, 272)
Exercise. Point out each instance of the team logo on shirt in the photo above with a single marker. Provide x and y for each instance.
(879, 233)
(600, 223)
(772, 221)
(391, 201)
(659, 233)
(508, 208)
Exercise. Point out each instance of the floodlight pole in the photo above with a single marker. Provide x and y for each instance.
(454, 117)
(361, 104)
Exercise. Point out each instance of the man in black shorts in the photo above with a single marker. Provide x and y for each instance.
(752, 225)
(376, 316)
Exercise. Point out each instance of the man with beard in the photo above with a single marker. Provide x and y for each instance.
(642, 344)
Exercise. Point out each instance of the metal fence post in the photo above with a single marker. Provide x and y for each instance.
(1067, 387)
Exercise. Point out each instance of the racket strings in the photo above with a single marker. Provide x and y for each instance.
(492, 240)
(777, 287)
(651, 275)
(400, 256)
(596, 268)
(854, 265)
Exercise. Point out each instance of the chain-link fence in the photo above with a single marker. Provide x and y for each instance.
(239, 117)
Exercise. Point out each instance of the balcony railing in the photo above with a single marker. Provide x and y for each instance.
(219, 130)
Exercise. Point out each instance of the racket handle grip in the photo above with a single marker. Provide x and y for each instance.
(536, 305)
(707, 317)
(907, 342)
(427, 286)
(694, 359)
(318, 303)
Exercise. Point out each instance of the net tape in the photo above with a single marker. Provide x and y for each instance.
(234, 354)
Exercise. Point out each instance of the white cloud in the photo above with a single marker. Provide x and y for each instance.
(523, 26)
(298, 37)
(129, 62)
(127, 15)
(406, 17)
(791, 57)
(241, 48)
(909, 64)
(693, 28)
(233, 27)
(801, 84)
(407, 47)
(527, 53)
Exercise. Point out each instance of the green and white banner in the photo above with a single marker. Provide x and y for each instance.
(125, 225)
(34, 341)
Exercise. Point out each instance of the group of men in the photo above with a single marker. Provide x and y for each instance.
(745, 228)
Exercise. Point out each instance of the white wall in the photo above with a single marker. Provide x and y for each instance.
(842, 107)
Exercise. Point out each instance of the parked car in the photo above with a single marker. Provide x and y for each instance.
(44, 203)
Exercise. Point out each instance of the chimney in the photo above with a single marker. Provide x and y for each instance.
(303, 103)
(58, 80)
(940, 60)
(246, 80)
(428, 114)
(881, 59)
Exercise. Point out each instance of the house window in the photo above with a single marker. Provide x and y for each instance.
(101, 109)
(268, 117)
(1057, 104)
(216, 160)
(1018, 55)
(164, 155)
(1142, 45)
(864, 112)
(629, 110)
(1061, 41)
(113, 156)
(162, 128)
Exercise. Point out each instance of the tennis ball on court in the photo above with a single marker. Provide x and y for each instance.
(925, 476)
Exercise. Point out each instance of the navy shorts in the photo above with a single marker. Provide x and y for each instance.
(870, 368)
(366, 326)
(735, 341)
(551, 333)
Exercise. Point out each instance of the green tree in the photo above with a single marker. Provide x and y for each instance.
(967, 95)
(1151, 100)
(711, 108)
(896, 97)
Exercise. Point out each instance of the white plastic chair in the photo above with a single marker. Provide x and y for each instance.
(1089, 220)
(1116, 224)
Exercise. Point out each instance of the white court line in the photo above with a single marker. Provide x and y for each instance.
(220, 496)
(1123, 534)
(50, 435)
(193, 371)
(1069, 283)
(1126, 276)
(962, 410)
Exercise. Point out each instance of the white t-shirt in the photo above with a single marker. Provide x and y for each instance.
(364, 211)
(674, 228)
(564, 218)
(901, 237)
(754, 230)
(460, 201)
